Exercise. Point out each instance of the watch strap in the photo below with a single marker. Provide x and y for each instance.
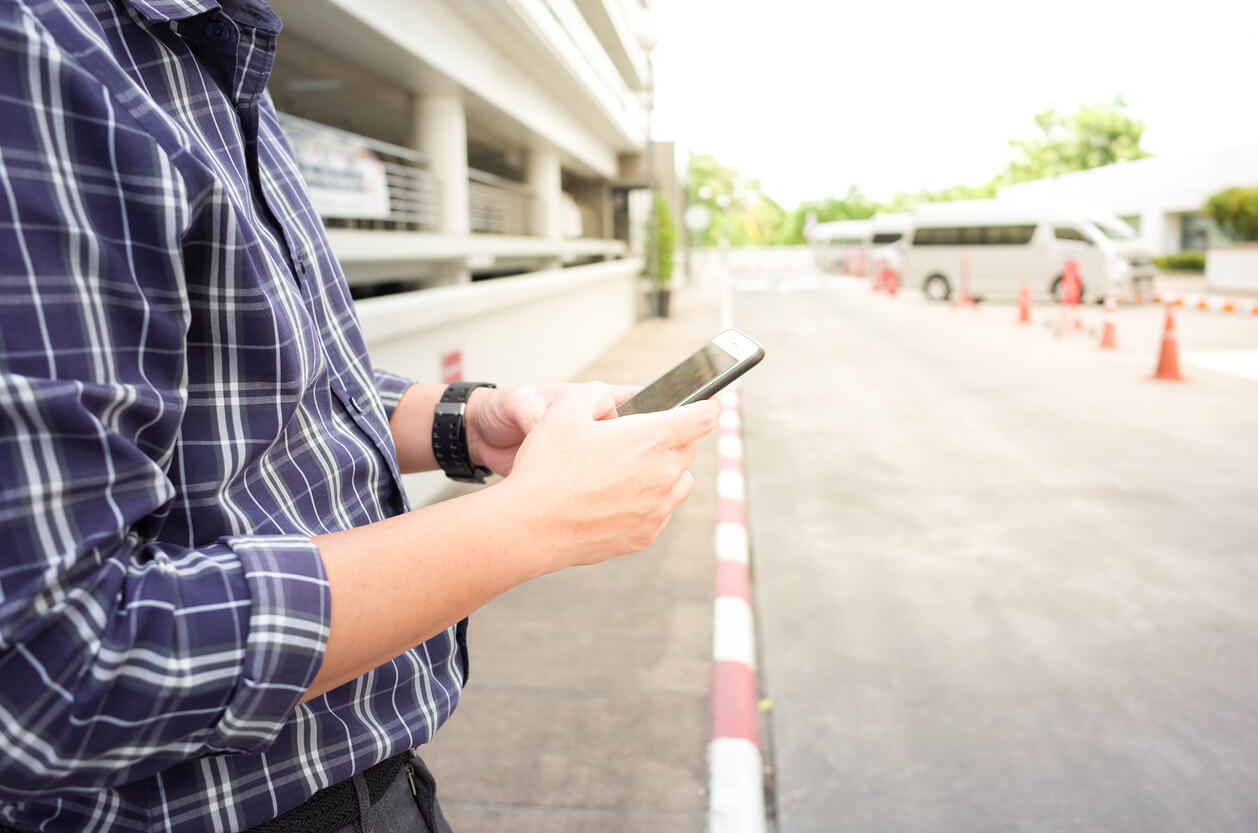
(449, 433)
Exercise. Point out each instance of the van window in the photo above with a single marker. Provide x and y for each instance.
(848, 241)
(1010, 235)
(1067, 233)
(883, 238)
(974, 236)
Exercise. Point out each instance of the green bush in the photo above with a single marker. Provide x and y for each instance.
(661, 245)
(1182, 262)
(1235, 212)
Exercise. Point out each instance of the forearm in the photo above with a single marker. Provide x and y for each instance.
(411, 426)
(399, 582)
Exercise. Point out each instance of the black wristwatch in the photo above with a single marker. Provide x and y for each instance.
(449, 434)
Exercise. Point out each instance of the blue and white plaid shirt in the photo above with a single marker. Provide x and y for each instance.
(185, 399)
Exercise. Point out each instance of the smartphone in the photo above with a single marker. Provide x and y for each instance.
(715, 365)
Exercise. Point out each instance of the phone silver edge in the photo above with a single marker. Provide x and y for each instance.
(747, 354)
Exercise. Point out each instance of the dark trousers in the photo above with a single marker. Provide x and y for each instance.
(395, 796)
(399, 810)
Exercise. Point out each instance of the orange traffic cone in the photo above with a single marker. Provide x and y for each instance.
(1076, 294)
(1109, 340)
(1024, 305)
(890, 280)
(1168, 359)
(964, 299)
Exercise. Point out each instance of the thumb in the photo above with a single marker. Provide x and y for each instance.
(530, 408)
(594, 400)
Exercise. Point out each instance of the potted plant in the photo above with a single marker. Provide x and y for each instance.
(661, 247)
(1234, 266)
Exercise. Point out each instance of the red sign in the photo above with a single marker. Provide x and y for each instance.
(452, 366)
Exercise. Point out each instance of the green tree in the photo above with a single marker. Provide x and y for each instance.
(661, 241)
(853, 206)
(1093, 136)
(1235, 212)
(740, 211)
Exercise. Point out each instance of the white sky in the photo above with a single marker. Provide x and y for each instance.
(812, 96)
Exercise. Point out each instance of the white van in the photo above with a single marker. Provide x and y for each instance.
(996, 246)
(841, 246)
(886, 240)
(1140, 269)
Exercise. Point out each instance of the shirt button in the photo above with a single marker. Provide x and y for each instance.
(217, 30)
(356, 404)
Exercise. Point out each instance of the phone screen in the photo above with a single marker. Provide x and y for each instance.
(673, 387)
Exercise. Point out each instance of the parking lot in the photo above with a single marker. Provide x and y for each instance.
(1003, 581)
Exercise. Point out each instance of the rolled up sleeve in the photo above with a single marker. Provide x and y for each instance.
(120, 655)
(391, 388)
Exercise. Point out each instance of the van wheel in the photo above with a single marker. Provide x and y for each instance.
(1055, 289)
(937, 288)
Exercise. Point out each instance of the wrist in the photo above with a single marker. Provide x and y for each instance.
(523, 509)
(477, 402)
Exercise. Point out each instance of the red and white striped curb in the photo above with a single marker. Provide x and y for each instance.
(735, 766)
(1210, 303)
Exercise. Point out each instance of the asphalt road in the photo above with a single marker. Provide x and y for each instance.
(1003, 582)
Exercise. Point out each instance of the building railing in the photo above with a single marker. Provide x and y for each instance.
(360, 183)
(500, 206)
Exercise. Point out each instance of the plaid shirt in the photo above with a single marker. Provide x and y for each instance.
(185, 399)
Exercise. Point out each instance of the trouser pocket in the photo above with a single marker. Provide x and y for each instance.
(424, 788)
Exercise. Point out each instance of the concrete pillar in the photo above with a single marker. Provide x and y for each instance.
(604, 203)
(1172, 232)
(1153, 230)
(545, 180)
(440, 133)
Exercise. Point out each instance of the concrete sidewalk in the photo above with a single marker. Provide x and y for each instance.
(588, 703)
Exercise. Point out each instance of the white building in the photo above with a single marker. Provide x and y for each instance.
(450, 140)
(480, 136)
(1161, 197)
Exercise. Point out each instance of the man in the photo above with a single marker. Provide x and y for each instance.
(216, 611)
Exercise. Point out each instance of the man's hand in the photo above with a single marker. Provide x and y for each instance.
(499, 420)
(601, 488)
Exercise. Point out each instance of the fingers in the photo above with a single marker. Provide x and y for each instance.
(624, 392)
(680, 426)
(591, 400)
(550, 394)
(557, 391)
(524, 407)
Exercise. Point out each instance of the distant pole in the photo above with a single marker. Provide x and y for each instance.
(690, 243)
(648, 174)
